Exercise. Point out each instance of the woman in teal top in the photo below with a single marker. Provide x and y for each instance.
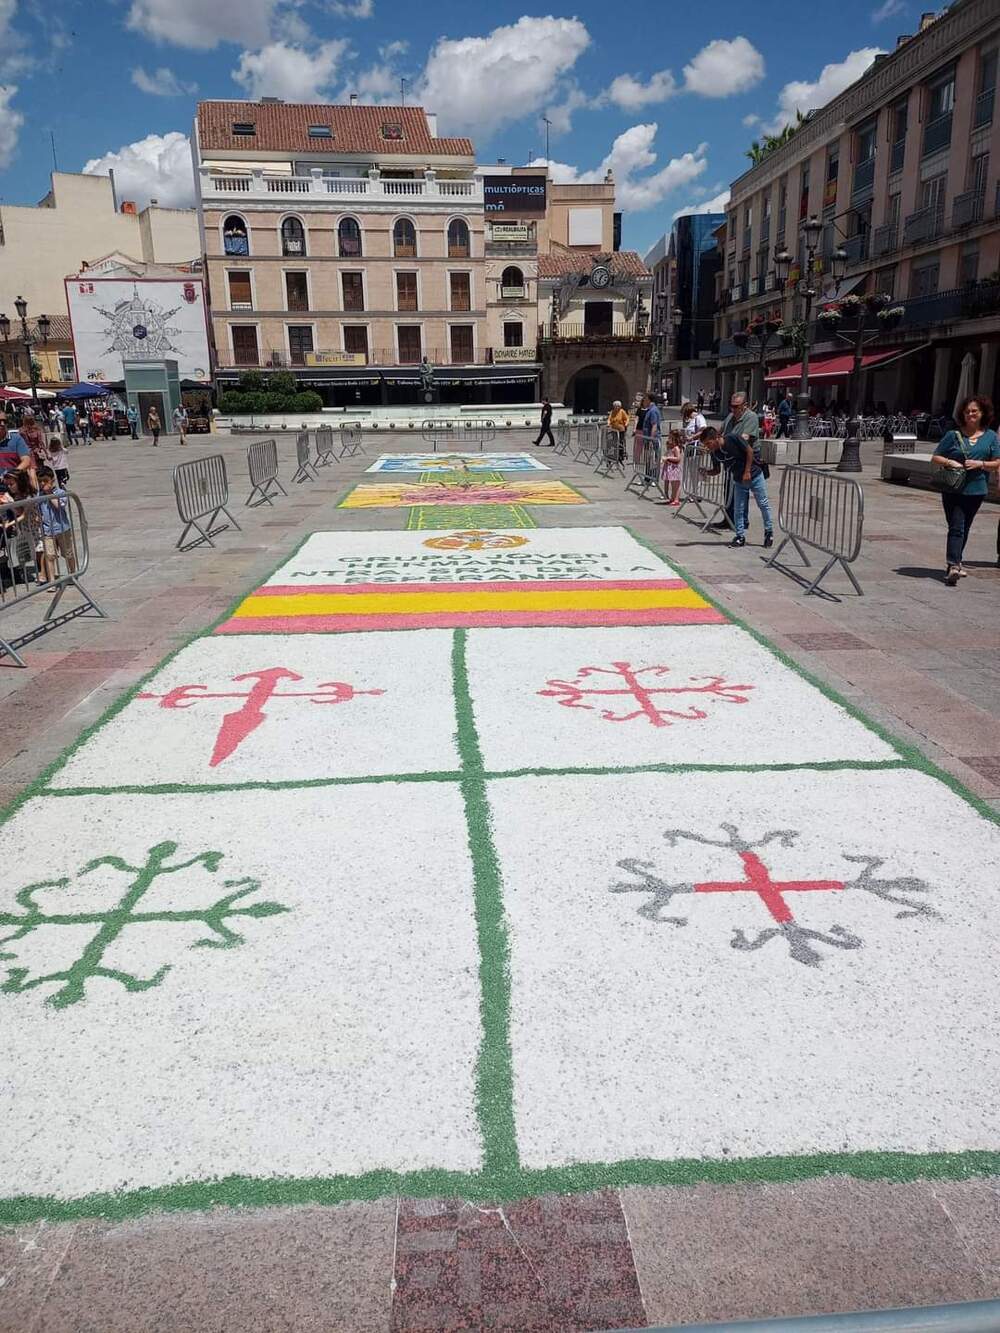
(974, 449)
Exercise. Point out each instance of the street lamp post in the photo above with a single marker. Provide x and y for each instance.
(761, 337)
(27, 342)
(812, 230)
(876, 306)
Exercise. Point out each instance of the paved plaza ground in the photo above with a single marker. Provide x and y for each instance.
(550, 871)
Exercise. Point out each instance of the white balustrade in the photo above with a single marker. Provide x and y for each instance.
(372, 189)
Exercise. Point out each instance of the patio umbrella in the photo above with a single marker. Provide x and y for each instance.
(966, 382)
(84, 391)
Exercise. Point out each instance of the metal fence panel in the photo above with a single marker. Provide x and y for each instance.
(262, 464)
(825, 511)
(645, 470)
(612, 458)
(350, 441)
(201, 490)
(588, 443)
(44, 549)
(701, 488)
(305, 471)
(562, 437)
(324, 446)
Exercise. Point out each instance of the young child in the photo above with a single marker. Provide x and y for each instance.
(672, 459)
(57, 453)
(57, 534)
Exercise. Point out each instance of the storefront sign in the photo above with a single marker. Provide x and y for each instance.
(335, 359)
(518, 195)
(513, 354)
(510, 231)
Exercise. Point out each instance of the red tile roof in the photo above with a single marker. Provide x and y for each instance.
(623, 264)
(284, 127)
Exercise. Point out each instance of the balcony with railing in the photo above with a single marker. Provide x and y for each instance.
(885, 239)
(856, 247)
(897, 156)
(274, 359)
(780, 233)
(982, 111)
(923, 225)
(937, 134)
(564, 331)
(967, 209)
(334, 190)
(864, 178)
(765, 230)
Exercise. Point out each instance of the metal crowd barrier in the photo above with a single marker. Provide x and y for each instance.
(324, 446)
(561, 435)
(588, 444)
(305, 471)
(44, 548)
(612, 454)
(450, 433)
(262, 463)
(201, 489)
(350, 441)
(825, 511)
(645, 469)
(701, 490)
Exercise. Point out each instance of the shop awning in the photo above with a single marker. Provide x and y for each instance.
(838, 367)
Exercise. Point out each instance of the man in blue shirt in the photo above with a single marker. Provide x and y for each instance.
(736, 453)
(651, 426)
(69, 421)
(15, 456)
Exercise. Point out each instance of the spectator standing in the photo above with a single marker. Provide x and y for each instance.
(15, 456)
(69, 422)
(692, 421)
(57, 455)
(701, 400)
(154, 425)
(84, 426)
(57, 535)
(784, 415)
(672, 467)
(618, 422)
(546, 426)
(651, 425)
(34, 438)
(975, 450)
(733, 452)
(133, 420)
(639, 434)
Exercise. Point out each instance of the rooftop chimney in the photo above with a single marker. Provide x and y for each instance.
(926, 19)
(432, 123)
(354, 99)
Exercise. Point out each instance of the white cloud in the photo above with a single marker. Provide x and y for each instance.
(10, 125)
(393, 49)
(353, 9)
(376, 84)
(201, 25)
(631, 93)
(560, 114)
(833, 79)
(632, 153)
(290, 72)
(162, 82)
(157, 167)
(724, 67)
(887, 9)
(14, 56)
(751, 120)
(715, 205)
(477, 84)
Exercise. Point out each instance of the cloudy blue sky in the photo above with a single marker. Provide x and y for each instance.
(669, 94)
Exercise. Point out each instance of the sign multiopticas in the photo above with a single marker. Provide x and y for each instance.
(517, 195)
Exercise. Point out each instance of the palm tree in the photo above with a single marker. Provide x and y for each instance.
(756, 152)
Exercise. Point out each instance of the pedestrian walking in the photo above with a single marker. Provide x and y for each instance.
(154, 425)
(651, 425)
(546, 428)
(180, 419)
(692, 421)
(968, 453)
(784, 415)
(735, 453)
(69, 422)
(85, 427)
(618, 422)
(58, 460)
(132, 416)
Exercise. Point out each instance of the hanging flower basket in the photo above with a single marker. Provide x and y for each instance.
(877, 301)
(830, 318)
(786, 335)
(890, 318)
(772, 326)
(850, 305)
(742, 338)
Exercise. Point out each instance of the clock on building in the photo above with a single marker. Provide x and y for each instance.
(600, 275)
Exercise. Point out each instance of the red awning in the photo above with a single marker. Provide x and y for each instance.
(837, 367)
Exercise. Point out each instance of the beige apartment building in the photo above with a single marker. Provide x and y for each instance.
(347, 243)
(902, 171)
(80, 220)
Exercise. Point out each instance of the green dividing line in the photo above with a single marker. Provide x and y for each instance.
(276, 784)
(494, 1069)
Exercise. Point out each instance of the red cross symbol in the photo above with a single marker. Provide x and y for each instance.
(628, 685)
(238, 725)
(770, 891)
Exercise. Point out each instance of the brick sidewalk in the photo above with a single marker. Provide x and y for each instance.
(917, 657)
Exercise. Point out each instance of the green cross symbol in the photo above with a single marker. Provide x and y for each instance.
(110, 923)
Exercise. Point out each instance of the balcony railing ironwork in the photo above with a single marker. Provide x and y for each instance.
(619, 328)
(937, 134)
(856, 247)
(982, 111)
(897, 156)
(967, 208)
(864, 178)
(885, 239)
(923, 225)
(260, 184)
(279, 359)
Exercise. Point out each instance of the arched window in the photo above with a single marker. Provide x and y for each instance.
(512, 281)
(348, 238)
(235, 240)
(404, 239)
(458, 239)
(293, 237)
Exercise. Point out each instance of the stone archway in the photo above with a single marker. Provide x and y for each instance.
(592, 389)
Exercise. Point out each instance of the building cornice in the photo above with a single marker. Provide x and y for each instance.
(889, 78)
